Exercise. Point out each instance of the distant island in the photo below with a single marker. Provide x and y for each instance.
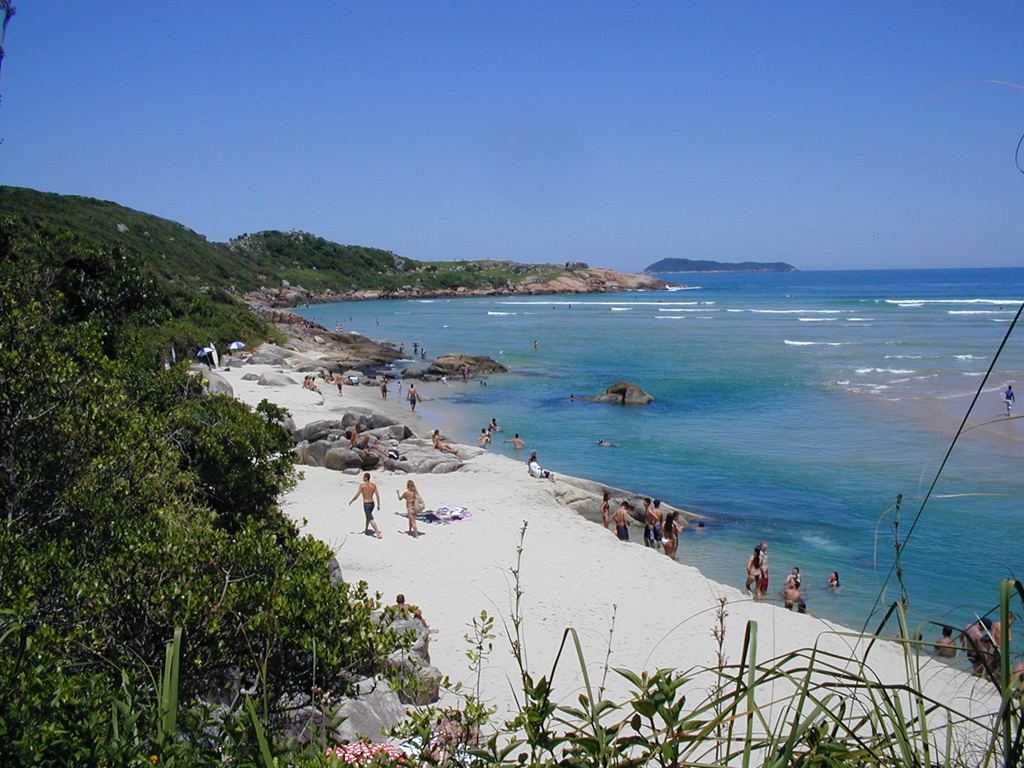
(669, 266)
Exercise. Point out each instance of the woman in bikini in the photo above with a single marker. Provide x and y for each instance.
(754, 573)
(410, 506)
(606, 512)
(670, 534)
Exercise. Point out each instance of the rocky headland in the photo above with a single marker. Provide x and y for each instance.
(589, 280)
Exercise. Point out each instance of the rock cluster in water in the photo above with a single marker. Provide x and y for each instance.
(622, 393)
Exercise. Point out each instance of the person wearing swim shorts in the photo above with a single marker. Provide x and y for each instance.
(658, 517)
(622, 518)
(369, 492)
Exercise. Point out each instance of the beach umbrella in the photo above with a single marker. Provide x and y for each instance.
(204, 352)
(236, 345)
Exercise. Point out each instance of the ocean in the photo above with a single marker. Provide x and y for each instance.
(795, 408)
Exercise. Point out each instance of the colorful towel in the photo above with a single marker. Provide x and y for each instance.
(445, 515)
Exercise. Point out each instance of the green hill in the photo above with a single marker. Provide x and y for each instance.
(177, 254)
(669, 266)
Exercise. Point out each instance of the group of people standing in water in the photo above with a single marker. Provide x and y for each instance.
(793, 592)
(661, 531)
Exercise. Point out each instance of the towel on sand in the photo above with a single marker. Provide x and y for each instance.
(445, 515)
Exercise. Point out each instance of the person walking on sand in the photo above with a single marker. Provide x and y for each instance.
(413, 397)
(622, 518)
(1008, 398)
(764, 568)
(369, 492)
(606, 510)
(412, 501)
(753, 585)
(383, 387)
(517, 443)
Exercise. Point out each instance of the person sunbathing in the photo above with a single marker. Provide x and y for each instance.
(442, 447)
(364, 442)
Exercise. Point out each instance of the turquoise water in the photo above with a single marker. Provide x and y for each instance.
(791, 407)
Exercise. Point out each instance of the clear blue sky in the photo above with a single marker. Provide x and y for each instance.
(616, 133)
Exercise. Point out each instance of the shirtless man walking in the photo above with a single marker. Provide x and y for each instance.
(369, 492)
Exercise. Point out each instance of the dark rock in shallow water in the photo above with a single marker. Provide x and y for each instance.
(622, 393)
(451, 365)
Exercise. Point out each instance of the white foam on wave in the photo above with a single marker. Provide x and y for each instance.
(815, 343)
(622, 309)
(922, 302)
(674, 288)
(502, 313)
(670, 317)
(980, 311)
(817, 319)
(903, 357)
(695, 309)
(799, 311)
(426, 301)
(972, 373)
(883, 370)
(859, 319)
(968, 357)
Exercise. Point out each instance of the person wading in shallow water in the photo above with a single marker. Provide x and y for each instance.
(764, 568)
(753, 585)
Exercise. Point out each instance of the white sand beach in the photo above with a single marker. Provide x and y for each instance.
(574, 573)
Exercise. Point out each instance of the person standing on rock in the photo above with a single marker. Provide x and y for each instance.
(369, 492)
(413, 397)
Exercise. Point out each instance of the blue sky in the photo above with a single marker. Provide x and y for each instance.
(612, 133)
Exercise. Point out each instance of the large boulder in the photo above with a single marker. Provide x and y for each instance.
(372, 713)
(275, 379)
(217, 384)
(451, 365)
(344, 458)
(623, 393)
(367, 420)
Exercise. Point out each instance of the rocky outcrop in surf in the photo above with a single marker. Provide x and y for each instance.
(623, 393)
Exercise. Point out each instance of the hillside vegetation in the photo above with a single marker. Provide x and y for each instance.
(175, 253)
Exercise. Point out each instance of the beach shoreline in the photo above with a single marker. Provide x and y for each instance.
(631, 606)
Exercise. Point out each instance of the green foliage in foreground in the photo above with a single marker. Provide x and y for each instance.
(133, 504)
